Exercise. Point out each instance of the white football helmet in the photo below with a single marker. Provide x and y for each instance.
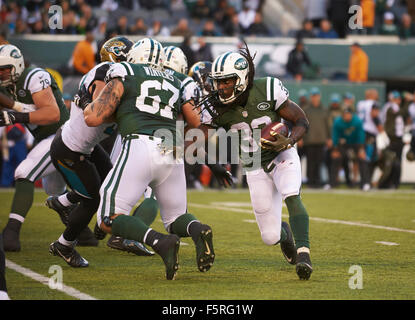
(147, 51)
(10, 56)
(228, 65)
(175, 59)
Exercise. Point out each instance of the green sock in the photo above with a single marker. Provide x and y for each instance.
(179, 226)
(299, 221)
(147, 211)
(23, 197)
(129, 227)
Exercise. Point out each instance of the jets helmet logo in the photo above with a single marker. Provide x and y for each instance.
(15, 54)
(241, 64)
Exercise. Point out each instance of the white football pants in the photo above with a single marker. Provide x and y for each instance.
(268, 190)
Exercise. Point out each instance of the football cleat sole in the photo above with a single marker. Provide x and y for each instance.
(205, 255)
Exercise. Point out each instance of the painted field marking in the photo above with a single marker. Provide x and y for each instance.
(249, 220)
(386, 243)
(45, 280)
(335, 221)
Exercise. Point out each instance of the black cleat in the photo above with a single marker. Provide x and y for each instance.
(304, 267)
(53, 203)
(69, 254)
(132, 246)
(205, 255)
(168, 248)
(11, 234)
(288, 246)
(87, 238)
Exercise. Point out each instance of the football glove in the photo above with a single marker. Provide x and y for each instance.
(98, 233)
(7, 118)
(280, 143)
(223, 176)
(84, 97)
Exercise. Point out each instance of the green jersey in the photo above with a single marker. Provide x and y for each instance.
(265, 97)
(151, 101)
(31, 81)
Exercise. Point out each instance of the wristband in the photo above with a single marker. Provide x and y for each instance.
(21, 117)
(23, 107)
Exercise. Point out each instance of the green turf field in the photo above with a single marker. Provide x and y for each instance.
(374, 231)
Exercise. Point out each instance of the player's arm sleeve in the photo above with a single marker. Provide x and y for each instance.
(119, 70)
(189, 89)
(276, 91)
(38, 80)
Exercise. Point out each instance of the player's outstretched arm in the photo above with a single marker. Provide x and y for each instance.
(290, 111)
(104, 106)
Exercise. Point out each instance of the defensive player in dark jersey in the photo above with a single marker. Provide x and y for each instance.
(242, 104)
(146, 102)
(38, 104)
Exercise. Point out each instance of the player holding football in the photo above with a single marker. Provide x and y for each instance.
(241, 103)
(145, 99)
(38, 104)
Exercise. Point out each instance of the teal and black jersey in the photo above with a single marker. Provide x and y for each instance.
(31, 81)
(265, 97)
(151, 99)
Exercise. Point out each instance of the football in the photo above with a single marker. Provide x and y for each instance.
(277, 127)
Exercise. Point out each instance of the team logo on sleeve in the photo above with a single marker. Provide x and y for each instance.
(241, 64)
(263, 106)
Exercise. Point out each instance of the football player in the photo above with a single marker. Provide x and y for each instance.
(78, 156)
(176, 64)
(243, 104)
(38, 104)
(146, 159)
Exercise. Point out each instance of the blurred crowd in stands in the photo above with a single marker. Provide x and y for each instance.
(327, 19)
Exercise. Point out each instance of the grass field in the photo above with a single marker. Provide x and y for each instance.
(374, 230)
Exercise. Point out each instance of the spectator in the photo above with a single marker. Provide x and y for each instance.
(307, 30)
(188, 51)
(368, 15)
(68, 23)
(21, 27)
(101, 30)
(204, 52)
(220, 12)
(139, 28)
(358, 64)
(296, 60)
(255, 5)
(122, 25)
(348, 145)
(411, 113)
(368, 111)
(303, 98)
(348, 101)
(338, 13)
(158, 30)
(209, 29)
(316, 139)
(182, 28)
(315, 10)
(201, 10)
(406, 28)
(326, 31)
(14, 153)
(246, 17)
(86, 13)
(388, 27)
(83, 57)
(394, 128)
(258, 28)
(38, 27)
(231, 25)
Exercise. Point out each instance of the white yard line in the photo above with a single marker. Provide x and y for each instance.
(45, 280)
(335, 221)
